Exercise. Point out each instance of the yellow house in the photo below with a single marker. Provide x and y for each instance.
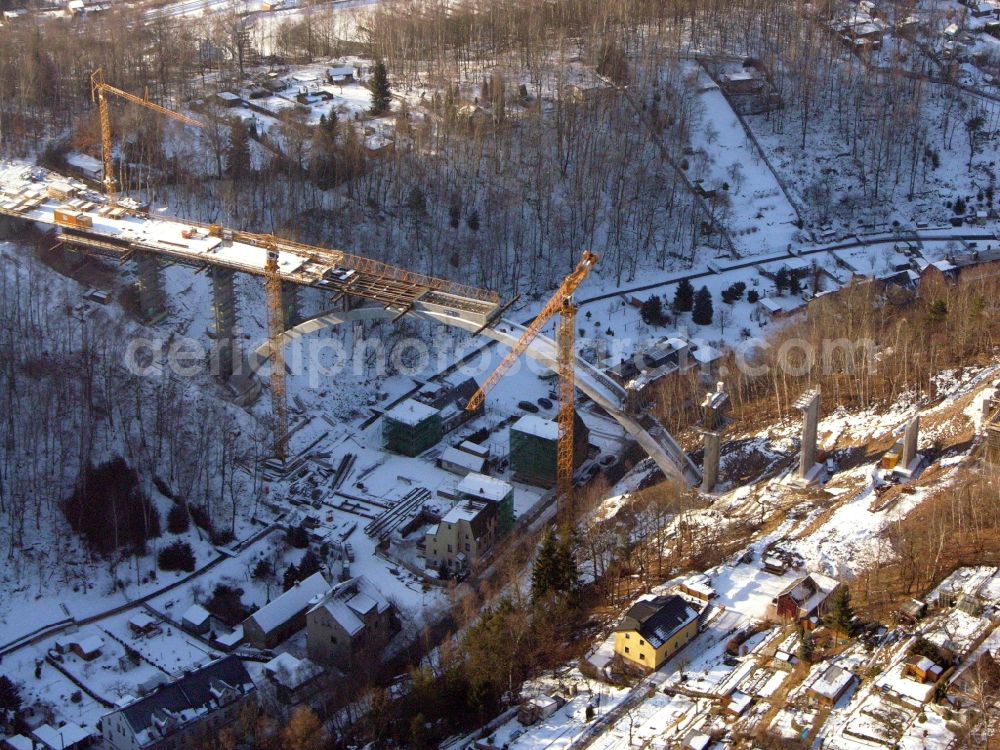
(654, 629)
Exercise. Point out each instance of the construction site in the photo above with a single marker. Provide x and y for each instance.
(326, 515)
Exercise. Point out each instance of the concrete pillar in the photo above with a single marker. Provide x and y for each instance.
(713, 408)
(634, 402)
(152, 298)
(910, 442)
(710, 469)
(12, 228)
(808, 404)
(226, 354)
(991, 404)
(290, 304)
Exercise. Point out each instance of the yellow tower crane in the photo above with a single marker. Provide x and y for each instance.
(561, 303)
(99, 91)
(276, 328)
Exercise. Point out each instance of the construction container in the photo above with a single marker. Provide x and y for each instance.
(60, 191)
(892, 457)
(75, 219)
(411, 427)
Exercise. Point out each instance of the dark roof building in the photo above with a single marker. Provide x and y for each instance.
(654, 629)
(656, 619)
(179, 713)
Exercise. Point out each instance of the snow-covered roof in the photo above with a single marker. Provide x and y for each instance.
(349, 602)
(292, 602)
(142, 621)
(91, 644)
(924, 664)
(488, 488)
(832, 682)
(230, 639)
(467, 461)
(467, 510)
(411, 412)
(290, 672)
(739, 702)
(195, 615)
(543, 701)
(20, 742)
(781, 304)
(530, 424)
(228, 96)
(84, 162)
(57, 738)
(474, 448)
(706, 354)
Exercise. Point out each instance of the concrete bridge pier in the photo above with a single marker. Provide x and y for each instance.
(808, 404)
(290, 304)
(225, 351)
(713, 422)
(152, 297)
(11, 227)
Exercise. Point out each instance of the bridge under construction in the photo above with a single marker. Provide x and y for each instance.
(85, 219)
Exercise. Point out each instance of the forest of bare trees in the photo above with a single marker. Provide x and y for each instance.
(562, 160)
(69, 403)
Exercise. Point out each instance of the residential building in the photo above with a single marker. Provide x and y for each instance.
(922, 669)
(196, 619)
(451, 400)
(654, 629)
(831, 685)
(294, 680)
(804, 600)
(69, 736)
(462, 536)
(481, 487)
(87, 647)
(142, 624)
(179, 714)
(353, 618)
(286, 615)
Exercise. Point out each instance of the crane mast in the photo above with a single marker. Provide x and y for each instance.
(562, 304)
(276, 328)
(99, 92)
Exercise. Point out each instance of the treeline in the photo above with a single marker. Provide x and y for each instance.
(865, 346)
(956, 525)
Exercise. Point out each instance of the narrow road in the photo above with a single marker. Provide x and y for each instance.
(58, 627)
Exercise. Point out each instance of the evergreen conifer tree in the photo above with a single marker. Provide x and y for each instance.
(545, 570)
(840, 617)
(702, 314)
(238, 164)
(683, 297)
(379, 86)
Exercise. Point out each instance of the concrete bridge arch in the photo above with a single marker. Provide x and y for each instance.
(605, 392)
